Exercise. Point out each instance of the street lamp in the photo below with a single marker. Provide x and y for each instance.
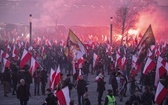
(111, 28)
(30, 20)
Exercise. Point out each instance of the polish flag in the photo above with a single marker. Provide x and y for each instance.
(149, 66)
(26, 56)
(95, 59)
(33, 66)
(6, 63)
(118, 60)
(161, 93)
(4, 54)
(52, 76)
(160, 71)
(80, 62)
(57, 78)
(160, 59)
(14, 52)
(63, 96)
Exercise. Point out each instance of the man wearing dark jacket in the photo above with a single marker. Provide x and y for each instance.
(51, 99)
(67, 82)
(100, 89)
(81, 89)
(23, 92)
(6, 81)
(43, 81)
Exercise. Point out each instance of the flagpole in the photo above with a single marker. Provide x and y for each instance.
(30, 21)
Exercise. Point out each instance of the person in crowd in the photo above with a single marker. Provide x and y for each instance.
(110, 98)
(14, 77)
(37, 79)
(23, 92)
(81, 89)
(86, 99)
(114, 83)
(100, 87)
(6, 80)
(67, 82)
(147, 97)
(43, 80)
(135, 97)
(121, 85)
(85, 70)
(1, 76)
(51, 99)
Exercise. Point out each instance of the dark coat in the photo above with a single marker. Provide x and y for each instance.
(6, 76)
(51, 100)
(134, 98)
(67, 82)
(147, 98)
(23, 92)
(81, 87)
(101, 85)
(43, 76)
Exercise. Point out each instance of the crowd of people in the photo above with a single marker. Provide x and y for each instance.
(19, 79)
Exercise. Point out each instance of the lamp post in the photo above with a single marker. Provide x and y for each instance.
(111, 28)
(30, 20)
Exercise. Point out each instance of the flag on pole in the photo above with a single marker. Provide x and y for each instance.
(57, 78)
(161, 93)
(6, 62)
(149, 66)
(26, 56)
(147, 40)
(63, 96)
(34, 65)
(52, 76)
(74, 49)
(160, 71)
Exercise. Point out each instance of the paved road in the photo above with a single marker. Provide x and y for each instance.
(38, 100)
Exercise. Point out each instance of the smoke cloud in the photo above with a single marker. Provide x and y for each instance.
(53, 10)
(157, 17)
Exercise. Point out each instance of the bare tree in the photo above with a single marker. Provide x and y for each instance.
(127, 15)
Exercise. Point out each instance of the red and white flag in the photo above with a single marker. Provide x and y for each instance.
(63, 96)
(57, 78)
(14, 52)
(149, 66)
(80, 62)
(161, 93)
(6, 62)
(4, 54)
(26, 56)
(160, 71)
(118, 60)
(95, 59)
(33, 66)
(52, 76)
